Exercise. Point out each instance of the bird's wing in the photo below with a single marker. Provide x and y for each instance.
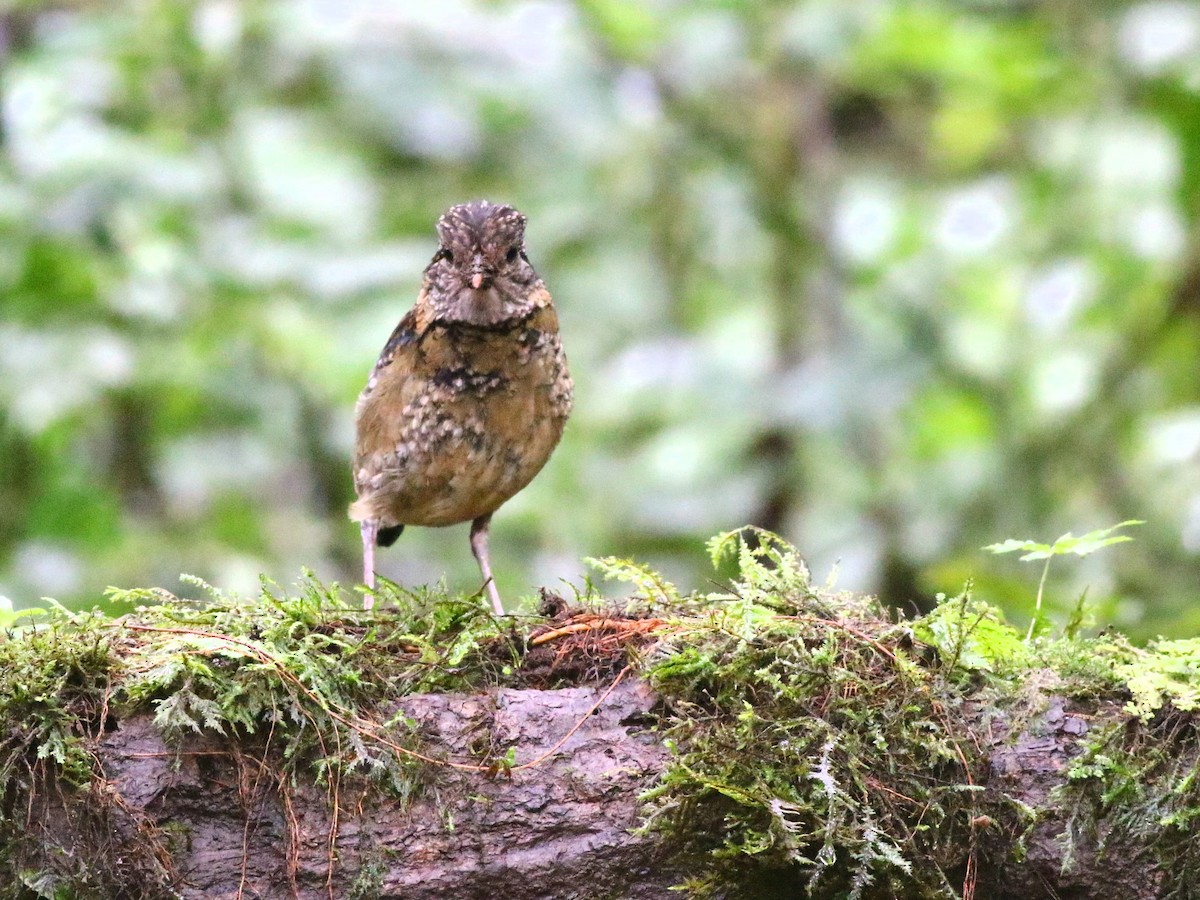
(380, 418)
(402, 343)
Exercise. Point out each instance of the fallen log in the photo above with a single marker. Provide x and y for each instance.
(765, 743)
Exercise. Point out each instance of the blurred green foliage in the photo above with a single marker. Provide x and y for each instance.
(895, 279)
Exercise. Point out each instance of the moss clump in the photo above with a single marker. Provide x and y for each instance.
(822, 746)
(53, 680)
(1135, 788)
(815, 749)
(1137, 784)
(53, 683)
(305, 681)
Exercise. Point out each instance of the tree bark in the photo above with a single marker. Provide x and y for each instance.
(562, 829)
(221, 827)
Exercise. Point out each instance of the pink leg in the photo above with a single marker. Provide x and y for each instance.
(370, 530)
(479, 547)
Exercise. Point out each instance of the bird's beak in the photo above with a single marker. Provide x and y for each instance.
(481, 273)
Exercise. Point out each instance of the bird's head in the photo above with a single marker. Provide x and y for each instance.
(480, 274)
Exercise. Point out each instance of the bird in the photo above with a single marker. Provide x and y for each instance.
(469, 396)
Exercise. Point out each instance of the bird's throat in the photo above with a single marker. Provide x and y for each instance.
(486, 308)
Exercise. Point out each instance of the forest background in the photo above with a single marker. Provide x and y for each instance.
(895, 278)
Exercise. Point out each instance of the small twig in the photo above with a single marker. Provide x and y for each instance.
(293, 830)
(880, 786)
(334, 794)
(574, 628)
(629, 626)
(261, 768)
(175, 753)
(970, 877)
(103, 719)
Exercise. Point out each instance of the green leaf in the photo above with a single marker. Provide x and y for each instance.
(1094, 540)
(1012, 545)
(1067, 543)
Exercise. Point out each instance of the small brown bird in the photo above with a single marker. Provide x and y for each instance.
(470, 394)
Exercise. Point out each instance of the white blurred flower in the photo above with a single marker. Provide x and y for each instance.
(1136, 154)
(1152, 36)
(299, 172)
(1063, 381)
(537, 34)
(444, 132)
(1174, 438)
(46, 375)
(218, 25)
(1118, 153)
(974, 219)
(637, 97)
(865, 221)
(1155, 232)
(50, 568)
(1057, 292)
(1190, 532)
(193, 470)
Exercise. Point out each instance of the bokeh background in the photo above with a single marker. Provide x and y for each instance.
(895, 279)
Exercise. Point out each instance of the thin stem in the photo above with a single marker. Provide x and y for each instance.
(1037, 604)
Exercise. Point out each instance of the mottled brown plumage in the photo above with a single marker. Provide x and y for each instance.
(470, 394)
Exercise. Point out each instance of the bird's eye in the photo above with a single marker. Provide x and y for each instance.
(511, 256)
(443, 253)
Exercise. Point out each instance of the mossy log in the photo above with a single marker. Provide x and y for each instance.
(773, 741)
(565, 828)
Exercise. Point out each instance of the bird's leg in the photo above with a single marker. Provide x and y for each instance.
(479, 547)
(370, 530)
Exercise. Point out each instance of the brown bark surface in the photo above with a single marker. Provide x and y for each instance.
(1029, 769)
(561, 829)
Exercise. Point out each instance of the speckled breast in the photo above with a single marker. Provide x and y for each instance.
(478, 418)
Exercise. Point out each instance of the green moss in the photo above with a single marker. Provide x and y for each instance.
(820, 745)
(1136, 784)
(1135, 787)
(52, 683)
(823, 747)
(972, 637)
(1166, 674)
(814, 748)
(312, 671)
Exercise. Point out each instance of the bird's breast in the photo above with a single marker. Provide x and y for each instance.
(465, 426)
